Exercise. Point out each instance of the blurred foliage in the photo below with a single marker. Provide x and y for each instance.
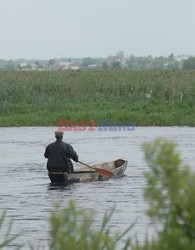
(87, 61)
(189, 63)
(116, 65)
(73, 228)
(170, 194)
(6, 233)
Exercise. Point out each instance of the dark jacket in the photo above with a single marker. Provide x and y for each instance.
(59, 154)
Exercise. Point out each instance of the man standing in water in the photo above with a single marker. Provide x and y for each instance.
(59, 154)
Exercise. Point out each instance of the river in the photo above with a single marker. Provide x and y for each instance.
(28, 197)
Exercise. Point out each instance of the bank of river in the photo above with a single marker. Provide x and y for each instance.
(28, 197)
(148, 98)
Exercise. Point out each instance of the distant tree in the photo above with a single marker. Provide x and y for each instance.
(12, 65)
(142, 62)
(189, 63)
(171, 57)
(174, 65)
(116, 65)
(51, 62)
(39, 65)
(2, 63)
(105, 66)
(159, 62)
(121, 55)
(150, 61)
(132, 62)
(87, 61)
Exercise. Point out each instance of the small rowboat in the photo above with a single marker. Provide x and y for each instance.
(85, 174)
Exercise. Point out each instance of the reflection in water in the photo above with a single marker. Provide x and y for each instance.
(59, 186)
(28, 196)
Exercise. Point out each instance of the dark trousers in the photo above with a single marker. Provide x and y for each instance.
(67, 168)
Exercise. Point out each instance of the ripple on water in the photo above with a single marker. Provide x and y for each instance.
(28, 196)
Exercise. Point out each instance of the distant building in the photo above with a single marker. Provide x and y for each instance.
(75, 66)
(22, 65)
(92, 66)
(28, 66)
(65, 65)
(32, 66)
(181, 58)
(55, 65)
(118, 58)
(58, 65)
(111, 59)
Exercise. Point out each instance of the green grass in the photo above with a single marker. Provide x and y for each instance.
(42, 98)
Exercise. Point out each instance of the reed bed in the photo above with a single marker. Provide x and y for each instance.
(145, 97)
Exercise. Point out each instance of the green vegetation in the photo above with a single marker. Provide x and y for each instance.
(189, 63)
(6, 234)
(170, 195)
(73, 228)
(116, 62)
(145, 97)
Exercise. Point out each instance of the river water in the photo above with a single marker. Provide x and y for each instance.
(28, 197)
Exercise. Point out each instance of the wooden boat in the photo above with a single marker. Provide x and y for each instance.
(85, 174)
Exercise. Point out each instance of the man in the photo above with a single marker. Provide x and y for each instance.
(59, 154)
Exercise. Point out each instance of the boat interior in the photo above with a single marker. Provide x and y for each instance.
(108, 166)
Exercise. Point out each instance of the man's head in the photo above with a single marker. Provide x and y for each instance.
(59, 135)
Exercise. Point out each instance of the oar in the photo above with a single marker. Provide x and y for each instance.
(100, 171)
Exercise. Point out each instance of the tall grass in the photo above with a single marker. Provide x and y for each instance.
(146, 97)
(6, 234)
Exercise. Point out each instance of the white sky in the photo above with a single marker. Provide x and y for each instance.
(44, 29)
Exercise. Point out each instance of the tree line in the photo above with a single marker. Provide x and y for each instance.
(117, 62)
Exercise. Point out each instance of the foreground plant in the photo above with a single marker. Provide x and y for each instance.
(170, 194)
(7, 238)
(73, 228)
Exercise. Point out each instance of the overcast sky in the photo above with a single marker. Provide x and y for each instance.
(44, 29)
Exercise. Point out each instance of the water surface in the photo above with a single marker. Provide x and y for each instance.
(28, 197)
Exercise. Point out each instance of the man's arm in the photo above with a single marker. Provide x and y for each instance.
(46, 154)
(72, 154)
